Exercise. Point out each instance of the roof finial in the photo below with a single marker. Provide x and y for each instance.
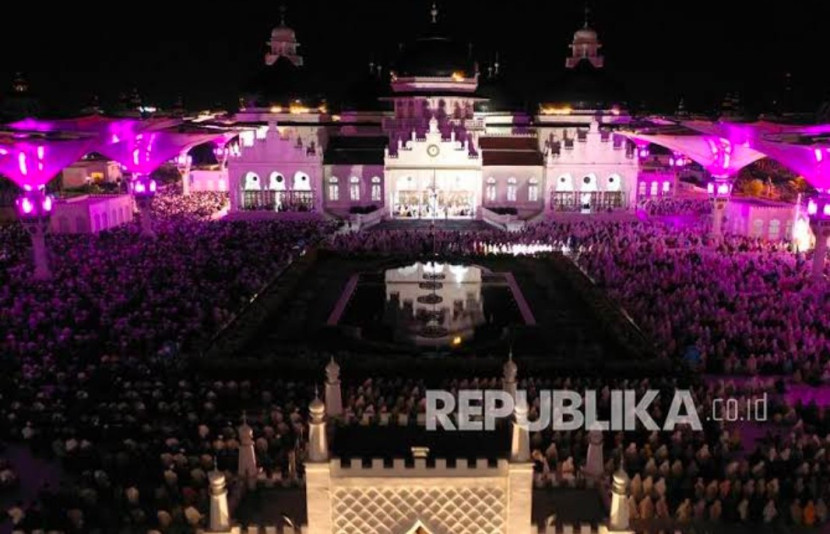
(244, 417)
(215, 463)
(496, 64)
(587, 12)
(434, 12)
(282, 14)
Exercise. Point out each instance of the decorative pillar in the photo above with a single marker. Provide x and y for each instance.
(318, 472)
(509, 375)
(34, 209)
(334, 396)
(520, 474)
(818, 209)
(220, 518)
(618, 517)
(144, 189)
(719, 189)
(594, 465)
(185, 162)
(247, 467)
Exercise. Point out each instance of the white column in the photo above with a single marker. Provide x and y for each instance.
(594, 465)
(37, 231)
(821, 230)
(520, 442)
(334, 396)
(220, 519)
(509, 376)
(718, 211)
(318, 473)
(520, 475)
(247, 468)
(145, 217)
(618, 516)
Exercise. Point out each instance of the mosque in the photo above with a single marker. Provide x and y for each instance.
(434, 138)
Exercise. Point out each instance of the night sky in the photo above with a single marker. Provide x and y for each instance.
(660, 50)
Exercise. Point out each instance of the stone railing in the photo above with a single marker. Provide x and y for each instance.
(420, 467)
(507, 221)
(361, 221)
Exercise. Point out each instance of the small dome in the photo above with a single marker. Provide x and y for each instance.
(283, 33)
(620, 480)
(317, 407)
(585, 34)
(510, 367)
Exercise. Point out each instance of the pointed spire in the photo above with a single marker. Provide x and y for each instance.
(587, 12)
(244, 417)
(215, 464)
(434, 12)
(496, 65)
(282, 14)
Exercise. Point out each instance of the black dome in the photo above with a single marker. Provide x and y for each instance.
(585, 87)
(280, 85)
(434, 56)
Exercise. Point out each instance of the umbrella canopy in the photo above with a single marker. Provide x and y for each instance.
(32, 159)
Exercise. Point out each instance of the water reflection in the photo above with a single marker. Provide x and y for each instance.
(434, 303)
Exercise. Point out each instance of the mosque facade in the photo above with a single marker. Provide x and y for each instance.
(433, 139)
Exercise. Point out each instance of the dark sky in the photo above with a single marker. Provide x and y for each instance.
(659, 49)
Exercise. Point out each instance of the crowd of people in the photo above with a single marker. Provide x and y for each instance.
(95, 367)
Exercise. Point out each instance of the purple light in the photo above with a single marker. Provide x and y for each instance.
(47, 203)
(710, 188)
(819, 155)
(812, 207)
(723, 189)
(26, 206)
(4, 152)
(826, 210)
(21, 160)
(139, 187)
(152, 186)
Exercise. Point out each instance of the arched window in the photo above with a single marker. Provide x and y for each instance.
(588, 183)
(614, 183)
(276, 182)
(354, 189)
(565, 182)
(641, 189)
(757, 228)
(251, 182)
(302, 182)
(376, 189)
(774, 230)
(334, 189)
(511, 189)
(666, 187)
(491, 189)
(533, 190)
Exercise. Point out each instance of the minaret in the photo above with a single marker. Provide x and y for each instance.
(247, 456)
(520, 473)
(283, 43)
(520, 445)
(618, 517)
(594, 465)
(434, 13)
(334, 397)
(318, 448)
(318, 471)
(509, 375)
(220, 518)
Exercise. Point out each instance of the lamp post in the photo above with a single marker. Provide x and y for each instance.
(34, 209)
(719, 190)
(818, 209)
(143, 189)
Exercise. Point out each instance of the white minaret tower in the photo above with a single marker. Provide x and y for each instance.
(247, 456)
(618, 518)
(220, 518)
(594, 466)
(318, 448)
(520, 473)
(334, 396)
(318, 471)
(509, 375)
